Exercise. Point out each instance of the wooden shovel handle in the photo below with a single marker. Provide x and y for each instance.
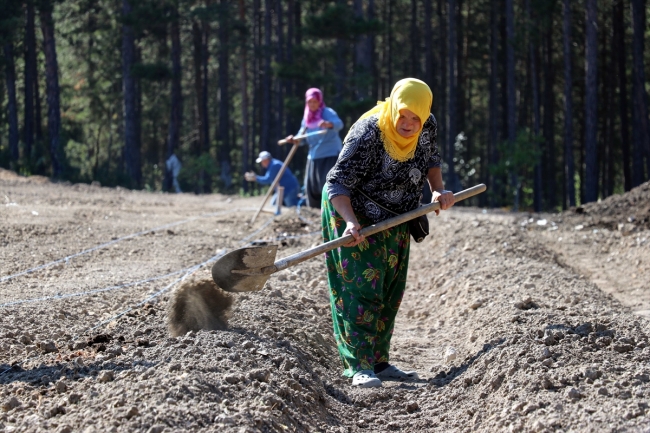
(367, 231)
(301, 136)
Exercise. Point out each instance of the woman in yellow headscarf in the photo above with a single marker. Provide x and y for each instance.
(387, 155)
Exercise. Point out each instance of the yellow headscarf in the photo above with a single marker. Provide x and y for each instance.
(409, 93)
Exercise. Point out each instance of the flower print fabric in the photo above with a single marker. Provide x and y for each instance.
(366, 283)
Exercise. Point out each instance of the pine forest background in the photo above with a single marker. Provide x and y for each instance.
(545, 101)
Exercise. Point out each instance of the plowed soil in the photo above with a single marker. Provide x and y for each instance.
(515, 322)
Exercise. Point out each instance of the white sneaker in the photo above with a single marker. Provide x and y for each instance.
(365, 379)
(393, 373)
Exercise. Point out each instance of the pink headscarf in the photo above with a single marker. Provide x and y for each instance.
(313, 118)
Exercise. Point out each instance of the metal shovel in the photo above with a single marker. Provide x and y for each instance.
(247, 269)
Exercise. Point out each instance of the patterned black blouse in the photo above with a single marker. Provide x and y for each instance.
(373, 180)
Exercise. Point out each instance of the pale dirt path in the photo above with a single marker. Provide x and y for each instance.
(618, 264)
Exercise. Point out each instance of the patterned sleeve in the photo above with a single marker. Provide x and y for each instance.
(431, 129)
(355, 161)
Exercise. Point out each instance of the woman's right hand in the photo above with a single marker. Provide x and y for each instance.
(344, 208)
(354, 228)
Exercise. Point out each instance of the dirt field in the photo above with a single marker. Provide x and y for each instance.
(515, 322)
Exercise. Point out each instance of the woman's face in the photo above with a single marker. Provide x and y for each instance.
(313, 104)
(408, 123)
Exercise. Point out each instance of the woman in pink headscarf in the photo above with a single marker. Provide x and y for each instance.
(324, 149)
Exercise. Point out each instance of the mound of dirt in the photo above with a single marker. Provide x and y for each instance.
(625, 212)
(12, 176)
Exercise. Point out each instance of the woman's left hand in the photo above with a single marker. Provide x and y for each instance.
(326, 124)
(445, 198)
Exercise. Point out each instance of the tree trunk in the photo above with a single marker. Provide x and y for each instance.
(362, 65)
(53, 94)
(466, 88)
(510, 102)
(569, 166)
(389, 46)
(443, 134)
(290, 83)
(30, 68)
(372, 64)
(244, 102)
(580, 102)
(198, 86)
(591, 101)
(131, 141)
(38, 116)
(257, 78)
(12, 106)
(138, 113)
(266, 105)
(639, 106)
(205, 119)
(297, 16)
(176, 112)
(461, 69)
(202, 146)
(428, 46)
(452, 107)
(607, 84)
(340, 69)
(537, 175)
(525, 91)
(280, 131)
(620, 59)
(550, 169)
(415, 41)
(224, 101)
(493, 103)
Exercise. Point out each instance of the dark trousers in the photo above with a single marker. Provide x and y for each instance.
(315, 178)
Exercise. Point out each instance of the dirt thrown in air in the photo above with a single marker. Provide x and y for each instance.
(198, 304)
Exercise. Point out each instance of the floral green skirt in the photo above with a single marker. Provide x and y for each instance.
(366, 285)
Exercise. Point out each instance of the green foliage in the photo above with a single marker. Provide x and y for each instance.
(520, 158)
(5, 155)
(211, 12)
(79, 167)
(337, 21)
(157, 71)
(326, 52)
(192, 175)
(465, 167)
(10, 22)
(152, 176)
(149, 18)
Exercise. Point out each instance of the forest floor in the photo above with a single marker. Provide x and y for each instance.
(515, 322)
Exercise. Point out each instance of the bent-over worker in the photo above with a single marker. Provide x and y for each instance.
(288, 181)
(387, 156)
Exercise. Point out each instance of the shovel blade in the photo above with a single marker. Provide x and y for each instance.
(249, 262)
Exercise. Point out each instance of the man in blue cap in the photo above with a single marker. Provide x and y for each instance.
(288, 180)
